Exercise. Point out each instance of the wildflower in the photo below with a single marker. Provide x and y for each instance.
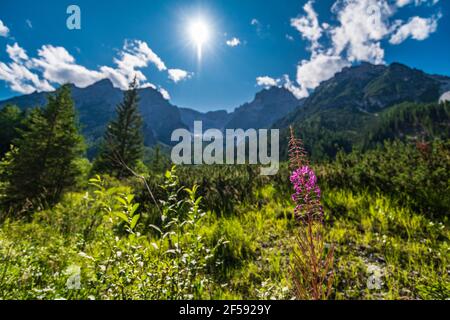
(312, 268)
(307, 193)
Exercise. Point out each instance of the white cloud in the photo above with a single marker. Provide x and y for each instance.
(18, 75)
(21, 79)
(416, 28)
(177, 75)
(16, 53)
(357, 35)
(29, 24)
(363, 24)
(233, 42)
(445, 97)
(298, 92)
(267, 81)
(121, 79)
(308, 25)
(137, 54)
(55, 65)
(133, 56)
(402, 3)
(310, 73)
(284, 82)
(164, 93)
(58, 66)
(4, 30)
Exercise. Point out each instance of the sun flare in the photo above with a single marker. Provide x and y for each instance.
(199, 32)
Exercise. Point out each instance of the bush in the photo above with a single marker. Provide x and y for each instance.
(417, 175)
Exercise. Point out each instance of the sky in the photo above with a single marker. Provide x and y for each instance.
(246, 45)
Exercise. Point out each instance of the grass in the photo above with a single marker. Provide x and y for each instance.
(404, 254)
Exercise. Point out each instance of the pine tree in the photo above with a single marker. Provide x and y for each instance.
(10, 121)
(43, 164)
(123, 144)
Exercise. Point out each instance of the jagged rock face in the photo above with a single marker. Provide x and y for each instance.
(268, 106)
(210, 120)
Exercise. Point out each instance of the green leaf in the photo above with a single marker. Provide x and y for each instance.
(122, 216)
(155, 227)
(130, 198)
(121, 200)
(134, 221)
(135, 207)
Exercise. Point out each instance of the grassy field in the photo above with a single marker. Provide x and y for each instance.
(108, 240)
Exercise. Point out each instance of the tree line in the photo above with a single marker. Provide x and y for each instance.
(42, 149)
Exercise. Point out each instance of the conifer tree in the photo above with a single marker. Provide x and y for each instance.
(43, 164)
(123, 144)
(10, 121)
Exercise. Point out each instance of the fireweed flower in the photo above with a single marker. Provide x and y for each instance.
(307, 193)
(312, 265)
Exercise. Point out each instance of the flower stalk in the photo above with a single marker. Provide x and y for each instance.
(312, 264)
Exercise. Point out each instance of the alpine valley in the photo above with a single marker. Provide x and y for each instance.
(360, 106)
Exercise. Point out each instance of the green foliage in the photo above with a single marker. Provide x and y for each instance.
(43, 165)
(223, 187)
(82, 251)
(190, 253)
(11, 118)
(410, 121)
(232, 235)
(238, 247)
(416, 175)
(123, 145)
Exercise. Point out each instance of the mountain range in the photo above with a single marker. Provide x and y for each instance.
(343, 110)
(336, 112)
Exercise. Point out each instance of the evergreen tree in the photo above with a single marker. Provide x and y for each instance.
(44, 162)
(123, 144)
(10, 121)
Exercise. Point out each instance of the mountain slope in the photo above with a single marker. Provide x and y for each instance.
(410, 121)
(211, 120)
(268, 106)
(338, 112)
(96, 107)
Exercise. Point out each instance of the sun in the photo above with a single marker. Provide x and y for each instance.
(199, 32)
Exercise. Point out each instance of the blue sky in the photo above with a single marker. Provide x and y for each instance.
(295, 44)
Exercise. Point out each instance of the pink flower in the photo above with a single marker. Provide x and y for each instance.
(307, 192)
